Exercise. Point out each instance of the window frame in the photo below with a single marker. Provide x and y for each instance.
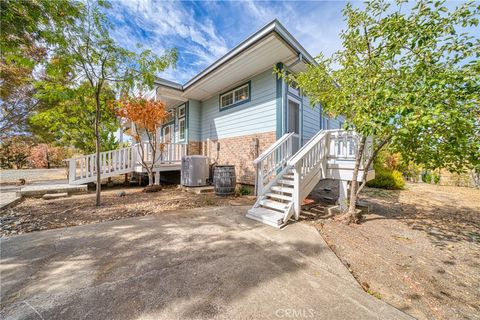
(180, 109)
(180, 131)
(232, 91)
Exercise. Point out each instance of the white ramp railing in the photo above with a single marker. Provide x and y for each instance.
(125, 160)
(83, 169)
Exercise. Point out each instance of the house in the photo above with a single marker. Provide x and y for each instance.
(238, 112)
(236, 108)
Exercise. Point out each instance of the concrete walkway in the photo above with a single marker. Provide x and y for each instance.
(209, 263)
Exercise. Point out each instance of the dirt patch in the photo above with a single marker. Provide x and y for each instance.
(37, 214)
(418, 249)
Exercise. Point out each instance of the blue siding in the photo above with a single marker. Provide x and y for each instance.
(194, 120)
(333, 123)
(256, 116)
(311, 119)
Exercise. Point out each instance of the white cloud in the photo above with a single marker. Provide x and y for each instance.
(166, 24)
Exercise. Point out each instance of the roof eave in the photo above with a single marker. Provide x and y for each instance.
(274, 26)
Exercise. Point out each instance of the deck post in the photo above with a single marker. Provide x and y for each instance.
(157, 178)
(342, 198)
(72, 168)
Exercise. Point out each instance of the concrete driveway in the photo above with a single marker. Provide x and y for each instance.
(209, 263)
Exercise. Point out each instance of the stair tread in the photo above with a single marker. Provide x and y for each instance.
(266, 215)
(288, 176)
(278, 196)
(282, 189)
(284, 181)
(272, 204)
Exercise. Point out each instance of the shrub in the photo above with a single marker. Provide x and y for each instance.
(385, 179)
(244, 191)
(427, 178)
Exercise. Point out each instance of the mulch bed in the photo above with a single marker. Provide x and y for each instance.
(38, 214)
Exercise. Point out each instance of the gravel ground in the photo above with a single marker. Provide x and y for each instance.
(32, 175)
(38, 214)
(418, 249)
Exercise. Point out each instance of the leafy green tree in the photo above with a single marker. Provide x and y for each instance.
(67, 117)
(87, 54)
(28, 29)
(410, 76)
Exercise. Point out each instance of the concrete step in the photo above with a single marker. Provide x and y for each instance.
(270, 217)
(288, 176)
(40, 190)
(275, 205)
(51, 196)
(282, 189)
(278, 196)
(285, 181)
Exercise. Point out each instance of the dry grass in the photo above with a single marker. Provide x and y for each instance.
(419, 249)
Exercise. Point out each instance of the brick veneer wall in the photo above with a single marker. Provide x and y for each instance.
(239, 151)
(194, 148)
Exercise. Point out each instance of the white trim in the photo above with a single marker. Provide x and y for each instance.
(180, 129)
(234, 99)
(180, 109)
(297, 101)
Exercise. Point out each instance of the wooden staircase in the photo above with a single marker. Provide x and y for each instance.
(276, 206)
(285, 178)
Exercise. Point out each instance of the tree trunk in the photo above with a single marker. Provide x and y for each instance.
(150, 178)
(351, 215)
(97, 148)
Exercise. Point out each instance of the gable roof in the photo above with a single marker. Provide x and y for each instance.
(273, 40)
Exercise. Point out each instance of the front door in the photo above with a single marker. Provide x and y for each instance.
(167, 133)
(293, 123)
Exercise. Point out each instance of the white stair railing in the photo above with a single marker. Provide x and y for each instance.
(309, 165)
(328, 148)
(271, 163)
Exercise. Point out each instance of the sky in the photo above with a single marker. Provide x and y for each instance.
(204, 31)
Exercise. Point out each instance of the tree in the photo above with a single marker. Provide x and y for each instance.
(27, 30)
(44, 156)
(148, 116)
(87, 53)
(407, 75)
(14, 152)
(66, 117)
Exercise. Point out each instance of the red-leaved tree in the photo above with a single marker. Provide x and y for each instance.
(148, 116)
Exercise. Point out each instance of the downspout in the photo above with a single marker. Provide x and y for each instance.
(299, 58)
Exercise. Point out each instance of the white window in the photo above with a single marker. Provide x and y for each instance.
(234, 96)
(181, 129)
(181, 111)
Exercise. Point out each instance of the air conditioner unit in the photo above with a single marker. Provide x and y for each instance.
(195, 171)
